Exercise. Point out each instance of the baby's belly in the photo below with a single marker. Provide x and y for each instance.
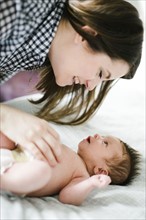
(61, 175)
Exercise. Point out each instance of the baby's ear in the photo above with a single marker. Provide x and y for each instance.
(99, 170)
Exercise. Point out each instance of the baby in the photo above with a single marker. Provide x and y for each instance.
(98, 162)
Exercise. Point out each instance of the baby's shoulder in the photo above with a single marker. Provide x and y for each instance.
(80, 170)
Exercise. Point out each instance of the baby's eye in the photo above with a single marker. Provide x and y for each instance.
(105, 142)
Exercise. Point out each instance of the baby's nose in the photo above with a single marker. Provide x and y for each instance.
(97, 136)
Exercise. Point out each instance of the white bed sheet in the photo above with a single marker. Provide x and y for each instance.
(122, 114)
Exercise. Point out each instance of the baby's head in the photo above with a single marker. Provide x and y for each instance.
(124, 170)
(111, 156)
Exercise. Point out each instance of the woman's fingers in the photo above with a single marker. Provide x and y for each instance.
(31, 133)
(46, 150)
(48, 141)
(55, 145)
(52, 131)
(51, 145)
(44, 144)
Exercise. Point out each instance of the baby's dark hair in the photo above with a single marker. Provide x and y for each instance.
(123, 172)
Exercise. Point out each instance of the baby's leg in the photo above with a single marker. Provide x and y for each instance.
(23, 178)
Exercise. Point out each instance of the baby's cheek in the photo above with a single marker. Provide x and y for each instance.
(5, 142)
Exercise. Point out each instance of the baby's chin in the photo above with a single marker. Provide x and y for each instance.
(81, 144)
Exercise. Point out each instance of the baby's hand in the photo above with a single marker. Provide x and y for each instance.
(101, 180)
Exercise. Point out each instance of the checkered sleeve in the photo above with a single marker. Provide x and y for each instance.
(7, 18)
(27, 28)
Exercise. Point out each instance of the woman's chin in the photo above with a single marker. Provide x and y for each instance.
(63, 84)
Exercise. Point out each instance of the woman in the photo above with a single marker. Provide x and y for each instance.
(78, 45)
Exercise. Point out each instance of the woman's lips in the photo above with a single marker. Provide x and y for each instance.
(76, 80)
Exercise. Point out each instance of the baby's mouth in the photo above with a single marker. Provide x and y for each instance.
(88, 139)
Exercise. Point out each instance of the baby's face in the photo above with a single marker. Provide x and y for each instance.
(97, 149)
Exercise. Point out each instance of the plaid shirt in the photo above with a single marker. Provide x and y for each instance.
(27, 28)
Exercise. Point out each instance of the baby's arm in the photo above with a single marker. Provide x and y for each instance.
(26, 177)
(79, 188)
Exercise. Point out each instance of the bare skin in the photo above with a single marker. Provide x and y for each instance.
(89, 68)
(56, 177)
(68, 179)
(76, 174)
(40, 138)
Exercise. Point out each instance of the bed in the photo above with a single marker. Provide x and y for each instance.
(122, 114)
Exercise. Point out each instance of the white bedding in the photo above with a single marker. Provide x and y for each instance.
(122, 114)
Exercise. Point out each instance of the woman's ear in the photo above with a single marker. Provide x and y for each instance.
(79, 38)
(89, 30)
(99, 170)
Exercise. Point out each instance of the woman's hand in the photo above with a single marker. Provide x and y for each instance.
(32, 133)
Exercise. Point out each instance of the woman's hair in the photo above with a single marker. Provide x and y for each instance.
(120, 36)
(124, 171)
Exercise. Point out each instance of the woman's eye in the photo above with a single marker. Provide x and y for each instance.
(100, 74)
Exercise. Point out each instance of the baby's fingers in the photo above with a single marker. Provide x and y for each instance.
(101, 180)
(105, 180)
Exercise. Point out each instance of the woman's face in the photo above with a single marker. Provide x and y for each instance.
(74, 62)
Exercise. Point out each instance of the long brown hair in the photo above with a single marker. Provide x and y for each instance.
(120, 35)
